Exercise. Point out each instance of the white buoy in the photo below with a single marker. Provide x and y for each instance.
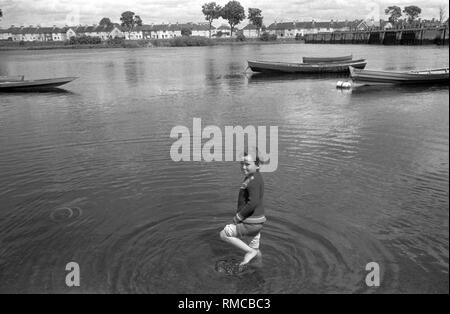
(343, 84)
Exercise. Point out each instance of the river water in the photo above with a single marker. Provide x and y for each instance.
(86, 174)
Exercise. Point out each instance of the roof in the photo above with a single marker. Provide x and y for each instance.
(146, 28)
(92, 29)
(15, 30)
(81, 29)
(249, 27)
(314, 24)
(224, 27)
(175, 27)
(386, 24)
(284, 25)
(342, 24)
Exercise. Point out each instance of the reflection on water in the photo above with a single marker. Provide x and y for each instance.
(49, 90)
(255, 77)
(385, 91)
(87, 175)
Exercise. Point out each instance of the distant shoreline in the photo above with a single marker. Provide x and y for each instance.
(159, 43)
(205, 42)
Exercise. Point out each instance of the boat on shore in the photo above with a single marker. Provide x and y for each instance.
(18, 83)
(286, 67)
(418, 77)
(327, 59)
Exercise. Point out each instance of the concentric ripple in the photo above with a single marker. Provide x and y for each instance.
(65, 214)
(174, 256)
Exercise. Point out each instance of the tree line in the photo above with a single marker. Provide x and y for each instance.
(233, 12)
(411, 12)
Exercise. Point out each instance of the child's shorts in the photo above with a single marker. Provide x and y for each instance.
(245, 230)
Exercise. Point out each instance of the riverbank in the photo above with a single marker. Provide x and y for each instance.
(153, 43)
(377, 37)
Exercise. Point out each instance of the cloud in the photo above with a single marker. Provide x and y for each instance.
(59, 12)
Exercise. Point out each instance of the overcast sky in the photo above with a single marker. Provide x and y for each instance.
(74, 12)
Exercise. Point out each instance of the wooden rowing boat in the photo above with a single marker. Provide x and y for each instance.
(13, 78)
(372, 77)
(284, 67)
(15, 85)
(326, 59)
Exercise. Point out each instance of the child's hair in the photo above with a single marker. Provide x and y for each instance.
(258, 160)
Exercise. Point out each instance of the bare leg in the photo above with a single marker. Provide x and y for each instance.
(250, 253)
(249, 256)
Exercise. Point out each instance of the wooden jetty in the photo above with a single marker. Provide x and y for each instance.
(413, 36)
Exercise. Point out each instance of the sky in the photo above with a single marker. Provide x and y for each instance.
(75, 12)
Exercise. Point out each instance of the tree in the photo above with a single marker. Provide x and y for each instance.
(105, 22)
(441, 14)
(254, 15)
(234, 13)
(412, 12)
(138, 20)
(186, 31)
(130, 21)
(212, 11)
(394, 13)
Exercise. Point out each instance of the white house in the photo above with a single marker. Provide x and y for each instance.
(16, 33)
(202, 29)
(135, 34)
(160, 31)
(224, 31)
(70, 32)
(250, 31)
(292, 29)
(283, 30)
(5, 34)
(115, 32)
(146, 31)
(58, 34)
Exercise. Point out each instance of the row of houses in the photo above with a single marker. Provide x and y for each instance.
(294, 29)
(105, 32)
(166, 31)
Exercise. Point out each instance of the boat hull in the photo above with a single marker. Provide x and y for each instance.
(324, 60)
(284, 67)
(35, 84)
(14, 78)
(371, 77)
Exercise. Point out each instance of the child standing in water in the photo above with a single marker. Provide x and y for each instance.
(249, 218)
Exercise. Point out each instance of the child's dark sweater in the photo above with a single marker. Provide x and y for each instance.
(250, 208)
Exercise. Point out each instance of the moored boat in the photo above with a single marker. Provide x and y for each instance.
(17, 85)
(327, 59)
(11, 78)
(286, 67)
(375, 77)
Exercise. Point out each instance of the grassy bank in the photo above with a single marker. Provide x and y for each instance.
(191, 41)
